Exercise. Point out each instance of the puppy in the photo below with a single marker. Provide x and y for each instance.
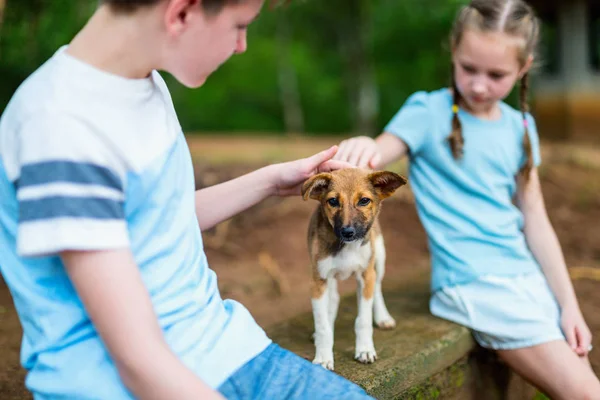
(344, 238)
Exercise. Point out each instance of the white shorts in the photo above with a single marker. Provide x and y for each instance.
(503, 312)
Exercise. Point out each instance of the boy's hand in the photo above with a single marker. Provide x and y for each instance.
(361, 151)
(288, 177)
(576, 330)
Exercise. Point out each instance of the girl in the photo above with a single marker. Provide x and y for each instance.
(497, 267)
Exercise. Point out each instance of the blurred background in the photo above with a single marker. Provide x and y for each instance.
(315, 73)
(334, 67)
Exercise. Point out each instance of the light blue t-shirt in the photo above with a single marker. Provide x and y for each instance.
(93, 161)
(466, 206)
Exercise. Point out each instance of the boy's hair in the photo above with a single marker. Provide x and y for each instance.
(127, 6)
(515, 18)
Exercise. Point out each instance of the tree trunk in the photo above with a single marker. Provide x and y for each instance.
(2, 8)
(288, 80)
(359, 72)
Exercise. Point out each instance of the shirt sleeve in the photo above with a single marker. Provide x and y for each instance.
(70, 188)
(412, 121)
(534, 140)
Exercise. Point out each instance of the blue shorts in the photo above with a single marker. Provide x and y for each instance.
(504, 313)
(277, 373)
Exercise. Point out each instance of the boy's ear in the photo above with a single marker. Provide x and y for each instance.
(177, 14)
(386, 182)
(315, 186)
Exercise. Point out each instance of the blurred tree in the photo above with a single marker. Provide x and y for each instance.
(2, 7)
(287, 75)
(314, 66)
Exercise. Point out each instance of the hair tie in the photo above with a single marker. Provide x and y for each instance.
(525, 123)
(455, 108)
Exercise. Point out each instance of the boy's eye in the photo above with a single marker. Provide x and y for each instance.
(364, 202)
(333, 202)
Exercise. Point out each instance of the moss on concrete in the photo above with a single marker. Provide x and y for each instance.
(420, 347)
(452, 383)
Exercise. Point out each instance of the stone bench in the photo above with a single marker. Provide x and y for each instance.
(423, 358)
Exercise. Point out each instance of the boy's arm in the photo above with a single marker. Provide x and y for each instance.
(544, 245)
(218, 203)
(111, 289)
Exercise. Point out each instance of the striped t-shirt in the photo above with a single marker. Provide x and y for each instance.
(93, 161)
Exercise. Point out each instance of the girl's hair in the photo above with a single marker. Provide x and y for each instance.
(515, 18)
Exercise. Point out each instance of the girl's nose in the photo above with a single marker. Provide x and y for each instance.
(478, 86)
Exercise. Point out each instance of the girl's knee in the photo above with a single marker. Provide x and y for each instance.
(589, 389)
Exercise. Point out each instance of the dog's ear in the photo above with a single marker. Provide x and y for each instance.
(386, 182)
(315, 186)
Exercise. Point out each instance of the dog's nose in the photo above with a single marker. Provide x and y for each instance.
(348, 232)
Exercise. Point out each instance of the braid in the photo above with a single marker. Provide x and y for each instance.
(456, 139)
(528, 166)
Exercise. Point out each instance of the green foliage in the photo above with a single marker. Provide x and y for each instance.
(402, 43)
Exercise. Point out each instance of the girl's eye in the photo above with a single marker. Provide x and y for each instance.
(333, 202)
(468, 69)
(364, 202)
(496, 76)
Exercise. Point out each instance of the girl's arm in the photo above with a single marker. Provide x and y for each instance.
(363, 151)
(111, 289)
(221, 202)
(544, 245)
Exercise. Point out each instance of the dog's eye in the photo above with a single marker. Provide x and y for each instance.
(364, 202)
(333, 202)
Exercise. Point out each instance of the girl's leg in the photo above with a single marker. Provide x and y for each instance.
(555, 369)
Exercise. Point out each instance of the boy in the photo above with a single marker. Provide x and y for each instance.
(100, 224)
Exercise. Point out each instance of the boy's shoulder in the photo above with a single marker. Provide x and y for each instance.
(72, 108)
(64, 85)
(37, 94)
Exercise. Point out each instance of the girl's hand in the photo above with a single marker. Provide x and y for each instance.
(288, 177)
(576, 330)
(361, 151)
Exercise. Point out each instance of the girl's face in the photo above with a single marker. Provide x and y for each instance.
(486, 67)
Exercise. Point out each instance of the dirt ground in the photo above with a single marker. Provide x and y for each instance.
(260, 256)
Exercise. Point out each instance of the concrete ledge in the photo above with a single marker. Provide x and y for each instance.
(423, 358)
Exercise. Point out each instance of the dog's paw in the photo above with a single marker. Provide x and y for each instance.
(365, 356)
(386, 324)
(325, 363)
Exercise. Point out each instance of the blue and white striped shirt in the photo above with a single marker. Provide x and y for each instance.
(93, 161)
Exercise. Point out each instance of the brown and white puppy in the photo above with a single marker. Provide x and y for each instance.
(344, 238)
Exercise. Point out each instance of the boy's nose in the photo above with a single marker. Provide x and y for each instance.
(241, 44)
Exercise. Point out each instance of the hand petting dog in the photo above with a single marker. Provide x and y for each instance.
(290, 176)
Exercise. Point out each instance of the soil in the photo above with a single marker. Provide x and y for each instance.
(260, 256)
